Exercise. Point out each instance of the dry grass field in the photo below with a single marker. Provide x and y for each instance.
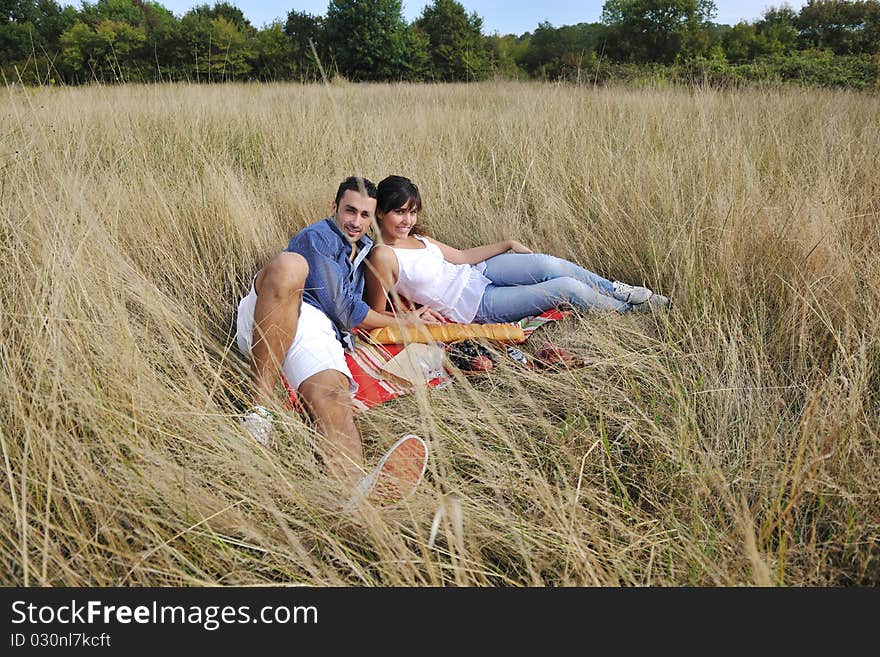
(733, 441)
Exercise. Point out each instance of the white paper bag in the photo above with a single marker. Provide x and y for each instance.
(416, 364)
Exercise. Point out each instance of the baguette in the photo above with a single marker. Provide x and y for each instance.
(447, 333)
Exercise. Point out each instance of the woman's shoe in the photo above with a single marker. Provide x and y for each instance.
(630, 293)
(654, 302)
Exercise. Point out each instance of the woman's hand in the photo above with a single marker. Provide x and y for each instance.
(428, 315)
(518, 247)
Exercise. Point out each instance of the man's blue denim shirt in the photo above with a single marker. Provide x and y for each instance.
(335, 284)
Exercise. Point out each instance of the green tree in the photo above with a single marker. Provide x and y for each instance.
(17, 31)
(235, 49)
(217, 48)
(17, 11)
(657, 30)
(456, 48)
(107, 43)
(120, 11)
(51, 19)
(121, 45)
(418, 60)
(840, 26)
(369, 40)
(224, 10)
(275, 54)
(505, 54)
(777, 30)
(164, 35)
(31, 29)
(564, 51)
(740, 43)
(18, 41)
(303, 30)
(774, 34)
(82, 55)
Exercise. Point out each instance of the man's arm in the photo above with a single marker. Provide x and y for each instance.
(423, 315)
(328, 281)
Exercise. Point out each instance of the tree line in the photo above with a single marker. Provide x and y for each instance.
(834, 42)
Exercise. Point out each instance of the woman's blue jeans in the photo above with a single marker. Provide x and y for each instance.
(525, 284)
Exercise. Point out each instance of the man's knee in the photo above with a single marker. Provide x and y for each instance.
(326, 389)
(284, 274)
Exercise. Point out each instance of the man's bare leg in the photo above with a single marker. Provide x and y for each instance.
(328, 400)
(279, 287)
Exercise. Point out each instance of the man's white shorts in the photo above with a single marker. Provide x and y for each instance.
(314, 349)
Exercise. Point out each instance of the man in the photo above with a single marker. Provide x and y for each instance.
(295, 320)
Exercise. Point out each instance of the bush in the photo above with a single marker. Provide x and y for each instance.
(808, 68)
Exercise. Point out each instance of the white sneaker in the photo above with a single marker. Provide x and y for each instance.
(397, 474)
(631, 294)
(658, 301)
(258, 423)
(655, 302)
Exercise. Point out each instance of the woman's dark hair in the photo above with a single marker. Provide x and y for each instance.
(396, 192)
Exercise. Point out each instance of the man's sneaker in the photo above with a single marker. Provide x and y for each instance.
(397, 474)
(630, 293)
(258, 423)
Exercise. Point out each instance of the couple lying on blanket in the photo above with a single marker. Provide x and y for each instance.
(303, 305)
(501, 282)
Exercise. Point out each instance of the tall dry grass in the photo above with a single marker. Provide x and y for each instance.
(732, 441)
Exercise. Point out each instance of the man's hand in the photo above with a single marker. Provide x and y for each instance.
(518, 247)
(418, 317)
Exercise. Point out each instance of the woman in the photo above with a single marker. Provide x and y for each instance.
(501, 282)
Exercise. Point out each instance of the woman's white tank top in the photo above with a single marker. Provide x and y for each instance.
(426, 277)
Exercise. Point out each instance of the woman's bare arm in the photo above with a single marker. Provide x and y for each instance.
(479, 253)
(382, 270)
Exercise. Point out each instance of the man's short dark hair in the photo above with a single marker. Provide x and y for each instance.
(355, 184)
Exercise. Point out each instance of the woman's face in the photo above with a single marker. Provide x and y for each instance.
(397, 223)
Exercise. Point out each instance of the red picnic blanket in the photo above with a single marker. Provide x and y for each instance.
(374, 387)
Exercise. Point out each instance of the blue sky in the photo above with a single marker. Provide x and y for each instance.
(502, 16)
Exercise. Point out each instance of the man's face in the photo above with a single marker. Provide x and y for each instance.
(354, 214)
